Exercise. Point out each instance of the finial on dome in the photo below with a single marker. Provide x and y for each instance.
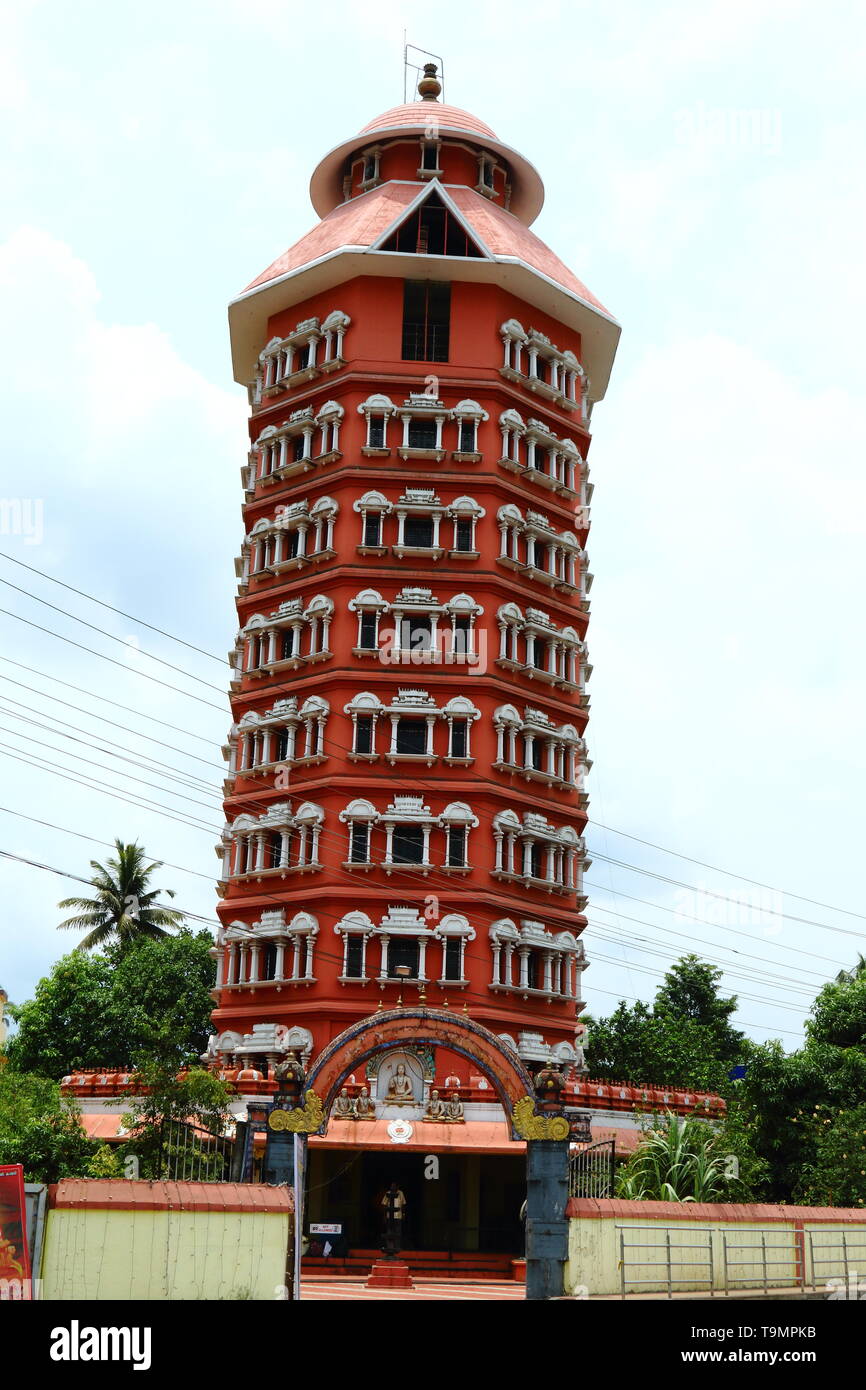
(429, 87)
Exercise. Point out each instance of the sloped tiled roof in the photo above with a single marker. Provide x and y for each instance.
(357, 223)
(362, 221)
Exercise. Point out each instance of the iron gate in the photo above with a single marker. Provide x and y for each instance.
(591, 1170)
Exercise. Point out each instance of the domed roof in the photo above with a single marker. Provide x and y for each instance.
(417, 117)
(416, 113)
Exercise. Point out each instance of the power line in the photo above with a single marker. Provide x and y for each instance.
(184, 779)
(92, 714)
(94, 695)
(431, 877)
(79, 781)
(648, 970)
(78, 757)
(63, 873)
(130, 670)
(110, 635)
(345, 874)
(141, 622)
(612, 829)
(700, 941)
(725, 897)
(607, 858)
(675, 912)
(756, 883)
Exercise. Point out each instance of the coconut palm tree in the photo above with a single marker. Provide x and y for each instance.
(124, 908)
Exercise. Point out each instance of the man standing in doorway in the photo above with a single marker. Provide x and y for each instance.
(394, 1208)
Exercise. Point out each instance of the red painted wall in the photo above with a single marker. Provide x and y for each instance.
(372, 349)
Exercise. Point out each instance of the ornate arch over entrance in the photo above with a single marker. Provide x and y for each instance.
(428, 1027)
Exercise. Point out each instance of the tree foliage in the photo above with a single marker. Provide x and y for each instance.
(99, 1011)
(685, 1039)
(802, 1111)
(195, 1101)
(40, 1129)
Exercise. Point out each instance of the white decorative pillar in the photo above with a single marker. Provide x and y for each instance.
(548, 972)
(523, 957)
(497, 949)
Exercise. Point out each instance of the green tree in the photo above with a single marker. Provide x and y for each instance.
(837, 1175)
(796, 1108)
(839, 1012)
(40, 1129)
(104, 1162)
(684, 1039)
(99, 1011)
(691, 993)
(174, 1115)
(124, 908)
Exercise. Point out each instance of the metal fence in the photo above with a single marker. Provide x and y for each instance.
(841, 1268)
(763, 1259)
(190, 1154)
(679, 1259)
(591, 1171)
(669, 1259)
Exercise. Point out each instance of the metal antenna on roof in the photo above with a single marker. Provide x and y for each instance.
(411, 54)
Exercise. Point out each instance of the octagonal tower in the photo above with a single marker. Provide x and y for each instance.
(405, 801)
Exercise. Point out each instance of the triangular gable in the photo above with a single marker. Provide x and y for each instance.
(433, 225)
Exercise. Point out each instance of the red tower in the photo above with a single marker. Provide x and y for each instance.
(404, 803)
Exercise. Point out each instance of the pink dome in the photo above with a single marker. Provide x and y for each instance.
(417, 113)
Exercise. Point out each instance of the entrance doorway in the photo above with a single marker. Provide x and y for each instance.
(378, 1171)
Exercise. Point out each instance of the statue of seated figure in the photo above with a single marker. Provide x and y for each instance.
(344, 1106)
(454, 1108)
(400, 1090)
(435, 1107)
(364, 1107)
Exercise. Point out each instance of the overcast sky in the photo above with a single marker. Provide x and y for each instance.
(704, 176)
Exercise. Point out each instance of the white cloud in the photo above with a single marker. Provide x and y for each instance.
(121, 440)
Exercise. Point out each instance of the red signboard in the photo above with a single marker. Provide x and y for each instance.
(14, 1256)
